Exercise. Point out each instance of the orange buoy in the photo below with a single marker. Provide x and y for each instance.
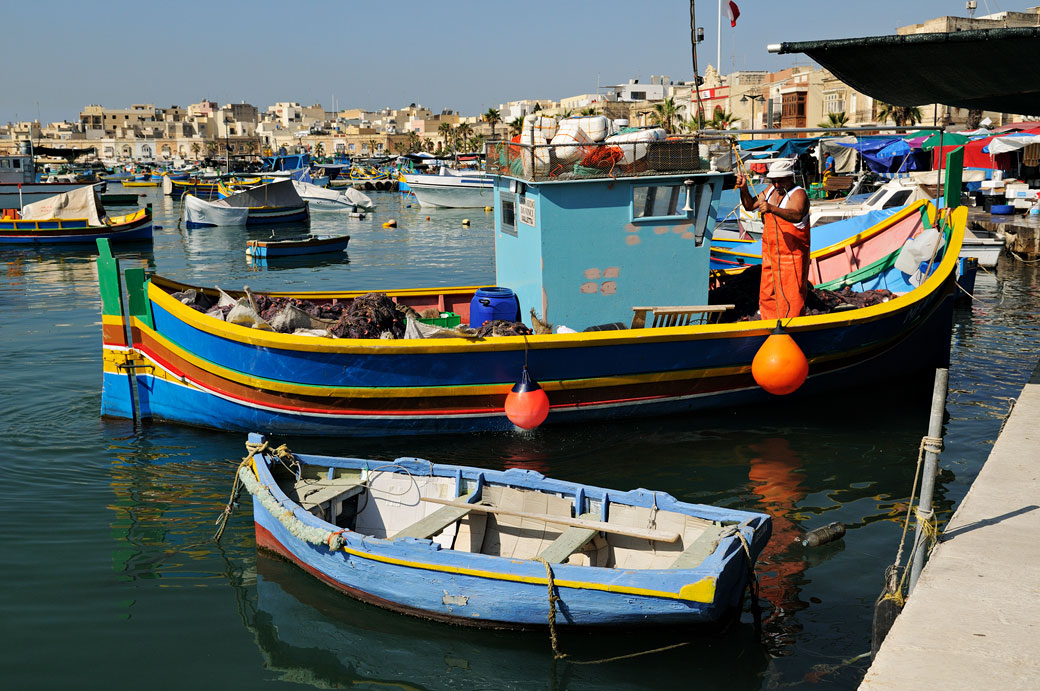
(780, 366)
(527, 406)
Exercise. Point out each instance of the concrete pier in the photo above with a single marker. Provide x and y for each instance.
(1021, 232)
(973, 622)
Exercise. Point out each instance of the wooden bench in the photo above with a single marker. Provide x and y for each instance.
(569, 542)
(698, 550)
(838, 183)
(326, 493)
(678, 315)
(433, 523)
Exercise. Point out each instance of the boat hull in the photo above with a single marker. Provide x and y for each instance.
(416, 576)
(269, 249)
(453, 192)
(58, 232)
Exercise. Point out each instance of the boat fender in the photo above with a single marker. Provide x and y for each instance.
(465, 221)
(392, 223)
(821, 536)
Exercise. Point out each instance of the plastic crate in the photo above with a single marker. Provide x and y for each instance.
(449, 320)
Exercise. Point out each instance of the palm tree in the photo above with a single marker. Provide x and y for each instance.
(492, 117)
(591, 110)
(195, 149)
(537, 107)
(566, 114)
(250, 146)
(721, 120)
(463, 132)
(665, 112)
(901, 115)
(695, 123)
(319, 149)
(414, 143)
(445, 131)
(516, 126)
(211, 149)
(476, 143)
(835, 120)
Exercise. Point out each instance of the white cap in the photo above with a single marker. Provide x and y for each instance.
(781, 168)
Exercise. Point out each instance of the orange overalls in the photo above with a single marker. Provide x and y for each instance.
(785, 266)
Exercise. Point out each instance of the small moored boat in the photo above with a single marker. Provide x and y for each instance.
(314, 244)
(479, 547)
(277, 202)
(73, 217)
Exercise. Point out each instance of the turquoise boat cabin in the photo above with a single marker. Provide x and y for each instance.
(582, 245)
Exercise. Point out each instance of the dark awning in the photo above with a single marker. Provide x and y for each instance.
(989, 69)
(62, 152)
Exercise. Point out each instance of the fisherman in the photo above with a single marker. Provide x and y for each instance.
(785, 240)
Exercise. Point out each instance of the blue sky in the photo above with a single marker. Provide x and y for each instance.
(60, 55)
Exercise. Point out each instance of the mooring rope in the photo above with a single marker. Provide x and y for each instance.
(554, 598)
(926, 520)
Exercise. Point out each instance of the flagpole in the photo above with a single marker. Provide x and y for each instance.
(718, 64)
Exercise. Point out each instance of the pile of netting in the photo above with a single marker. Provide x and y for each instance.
(373, 315)
(741, 290)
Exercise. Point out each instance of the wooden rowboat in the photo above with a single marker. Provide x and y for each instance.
(478, 547)
(316, 244)
(75, 217)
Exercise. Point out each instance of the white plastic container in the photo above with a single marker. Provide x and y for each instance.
(535, 159)
(569, 141)
(917, 250)
(541, 125)
(633, 145)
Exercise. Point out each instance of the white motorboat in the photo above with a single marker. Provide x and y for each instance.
(453, 188)
(325, 199)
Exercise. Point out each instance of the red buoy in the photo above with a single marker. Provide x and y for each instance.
(527, 406)
(780, 366)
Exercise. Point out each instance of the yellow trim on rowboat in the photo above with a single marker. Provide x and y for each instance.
(270, 339)
(700, 591)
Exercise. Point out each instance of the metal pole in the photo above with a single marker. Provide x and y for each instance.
(718, 63)
(928, 473)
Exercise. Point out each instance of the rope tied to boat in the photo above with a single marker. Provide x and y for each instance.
(895, 575)
(554, 598)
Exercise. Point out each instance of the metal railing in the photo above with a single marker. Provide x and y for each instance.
(581, 161)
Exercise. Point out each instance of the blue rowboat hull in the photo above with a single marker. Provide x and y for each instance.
(262, 250)
(53, 234)
(416, 576)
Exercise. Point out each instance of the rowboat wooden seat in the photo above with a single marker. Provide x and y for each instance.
(437, 521)
(678, 315)
(569, 542)
(314, 495)
(698, 550)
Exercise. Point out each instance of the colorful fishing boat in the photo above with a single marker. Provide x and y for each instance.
(314, 244)
(599, 247)
(76, 217)
(140, 183)
(202, 189)
(479, 547)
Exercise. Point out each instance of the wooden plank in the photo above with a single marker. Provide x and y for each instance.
(645, 533)
(698, 550)
(569, 542)
(430, 525)
(325, 493)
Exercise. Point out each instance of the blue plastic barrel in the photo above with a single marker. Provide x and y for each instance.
(493, 302)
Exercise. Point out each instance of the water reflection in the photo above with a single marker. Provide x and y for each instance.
(310, 634)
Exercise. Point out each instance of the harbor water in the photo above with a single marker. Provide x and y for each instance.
(113, 579)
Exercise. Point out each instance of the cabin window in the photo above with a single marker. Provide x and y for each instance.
(897, 199)
(656, 201)
(509, 215)
(16, 163)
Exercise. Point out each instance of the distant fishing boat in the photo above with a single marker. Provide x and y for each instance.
(325, 199)
(315, 244)
(76, 217)
(140, 183)
(276, 202)
(479, 547)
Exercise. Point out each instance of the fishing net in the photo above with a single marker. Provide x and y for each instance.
(501, 327)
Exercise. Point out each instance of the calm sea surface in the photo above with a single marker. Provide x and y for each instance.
(112, 579)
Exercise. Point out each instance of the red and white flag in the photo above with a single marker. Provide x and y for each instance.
(733, 12)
